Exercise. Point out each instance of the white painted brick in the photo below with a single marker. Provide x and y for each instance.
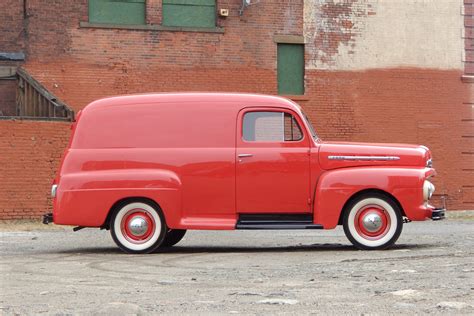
(398, 33)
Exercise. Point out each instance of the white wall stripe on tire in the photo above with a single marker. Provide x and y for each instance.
(118, 229)
(391, 231)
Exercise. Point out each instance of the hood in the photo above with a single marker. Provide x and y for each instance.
(334, 155)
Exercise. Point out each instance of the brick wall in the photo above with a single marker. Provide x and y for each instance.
(12, 26)
(403, 105)
(117, 61)
(54, 32)
(365, 80)
(30, 154)
(392, 71)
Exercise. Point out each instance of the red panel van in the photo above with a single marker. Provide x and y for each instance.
(150, 167)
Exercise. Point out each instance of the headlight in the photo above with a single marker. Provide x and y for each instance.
(54, 188)
(428, 190)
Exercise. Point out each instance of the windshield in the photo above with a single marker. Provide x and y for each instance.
(311, 128)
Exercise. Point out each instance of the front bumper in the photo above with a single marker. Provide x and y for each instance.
(438, 214)
(47, 218)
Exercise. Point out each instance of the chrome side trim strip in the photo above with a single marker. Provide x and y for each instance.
(365, 158)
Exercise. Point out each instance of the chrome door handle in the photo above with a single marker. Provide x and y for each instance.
(245, 155)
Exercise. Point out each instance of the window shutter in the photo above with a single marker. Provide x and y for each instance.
(117, 11)
(189, 13)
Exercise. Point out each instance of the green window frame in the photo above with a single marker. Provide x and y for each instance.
(128, 12)
(189, 13)
(290, 69)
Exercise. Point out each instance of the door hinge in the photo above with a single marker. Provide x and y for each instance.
(309, 201)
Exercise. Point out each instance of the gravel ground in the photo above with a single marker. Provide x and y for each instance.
(56, 271)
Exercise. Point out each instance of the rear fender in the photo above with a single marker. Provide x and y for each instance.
(85, 198)
(336, 187)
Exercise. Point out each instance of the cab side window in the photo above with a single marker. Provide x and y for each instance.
(270, 127)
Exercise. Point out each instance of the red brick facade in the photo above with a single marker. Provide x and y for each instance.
(79, 64)
(30, 155)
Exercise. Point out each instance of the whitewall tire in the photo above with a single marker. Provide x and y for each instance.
(138, 226)
(372, 221)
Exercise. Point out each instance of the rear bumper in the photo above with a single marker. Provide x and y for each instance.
(48, 218)
(438, 214)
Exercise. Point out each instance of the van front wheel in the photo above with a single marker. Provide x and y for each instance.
(138, 227)
(372, 221)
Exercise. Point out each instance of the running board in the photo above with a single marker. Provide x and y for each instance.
(276, 221)
(279, 226)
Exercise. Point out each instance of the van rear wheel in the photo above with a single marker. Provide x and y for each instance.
(372, 221)
(138, 227)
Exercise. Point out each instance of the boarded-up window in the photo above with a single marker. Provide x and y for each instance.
(117, 11)
(290, 69)
(189, 13)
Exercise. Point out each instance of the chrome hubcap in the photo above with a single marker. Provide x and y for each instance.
(138, 226)
(372, 222)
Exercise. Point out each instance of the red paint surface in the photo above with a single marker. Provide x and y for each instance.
(199, 181)
(276, 178)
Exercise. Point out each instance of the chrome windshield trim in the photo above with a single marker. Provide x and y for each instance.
(54, 189)
(365, 158)
(429, 163)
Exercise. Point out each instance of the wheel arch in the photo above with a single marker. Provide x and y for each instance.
(126, 200)
(368, 191)
(86, 198)
(338, 187)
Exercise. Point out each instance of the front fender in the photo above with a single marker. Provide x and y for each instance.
(336, 187)
(85, 198)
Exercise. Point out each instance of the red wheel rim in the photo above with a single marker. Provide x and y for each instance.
(372, 222)
(137, 226)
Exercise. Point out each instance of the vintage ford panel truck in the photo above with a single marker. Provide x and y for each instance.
(149, 167)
